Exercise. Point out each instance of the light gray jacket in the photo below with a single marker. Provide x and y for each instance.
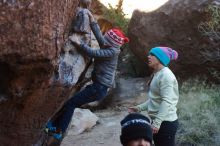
(105, 59)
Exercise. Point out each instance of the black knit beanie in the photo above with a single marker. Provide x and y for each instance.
(135, 126)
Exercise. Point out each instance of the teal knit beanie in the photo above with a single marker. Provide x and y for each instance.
(164, 54)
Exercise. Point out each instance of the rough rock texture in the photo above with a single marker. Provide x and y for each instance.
(31, 92)
(175, 24)
(138, 86)
(83, 119)
(32, 34)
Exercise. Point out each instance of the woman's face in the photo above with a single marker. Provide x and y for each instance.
(152, 61)
(139, 142)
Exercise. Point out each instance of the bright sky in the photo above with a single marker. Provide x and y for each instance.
(130, 5)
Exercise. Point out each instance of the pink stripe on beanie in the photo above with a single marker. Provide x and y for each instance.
(172, 54)
(164, 54)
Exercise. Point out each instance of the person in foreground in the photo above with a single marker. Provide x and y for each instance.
(136, 130)
(103, 74)
(163, 96)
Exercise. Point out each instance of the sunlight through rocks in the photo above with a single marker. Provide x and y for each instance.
(130, 5)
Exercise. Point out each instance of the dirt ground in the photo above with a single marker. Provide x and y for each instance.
(107, 131)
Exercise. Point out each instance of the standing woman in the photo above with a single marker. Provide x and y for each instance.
(163, 96)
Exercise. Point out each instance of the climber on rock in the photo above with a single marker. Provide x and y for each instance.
(103, 74)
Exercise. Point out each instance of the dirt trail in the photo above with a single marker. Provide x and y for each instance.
(107, 131)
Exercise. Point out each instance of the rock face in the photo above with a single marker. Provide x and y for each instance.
(83, 119)
(33, 83)
(138, 86)
(32, 34)
(175, 24)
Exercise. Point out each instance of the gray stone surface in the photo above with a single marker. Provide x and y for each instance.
(175, 24)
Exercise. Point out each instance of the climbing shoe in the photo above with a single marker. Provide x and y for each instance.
(58, 136)
(49, 128)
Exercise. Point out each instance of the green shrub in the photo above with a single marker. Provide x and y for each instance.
(117, 16)
(211, 28)
(199, 114)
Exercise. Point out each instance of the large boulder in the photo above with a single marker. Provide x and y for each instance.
(32, 35)
(34, 81)
(175, 24)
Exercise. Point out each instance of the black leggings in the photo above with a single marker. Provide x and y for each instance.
(166, 134)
